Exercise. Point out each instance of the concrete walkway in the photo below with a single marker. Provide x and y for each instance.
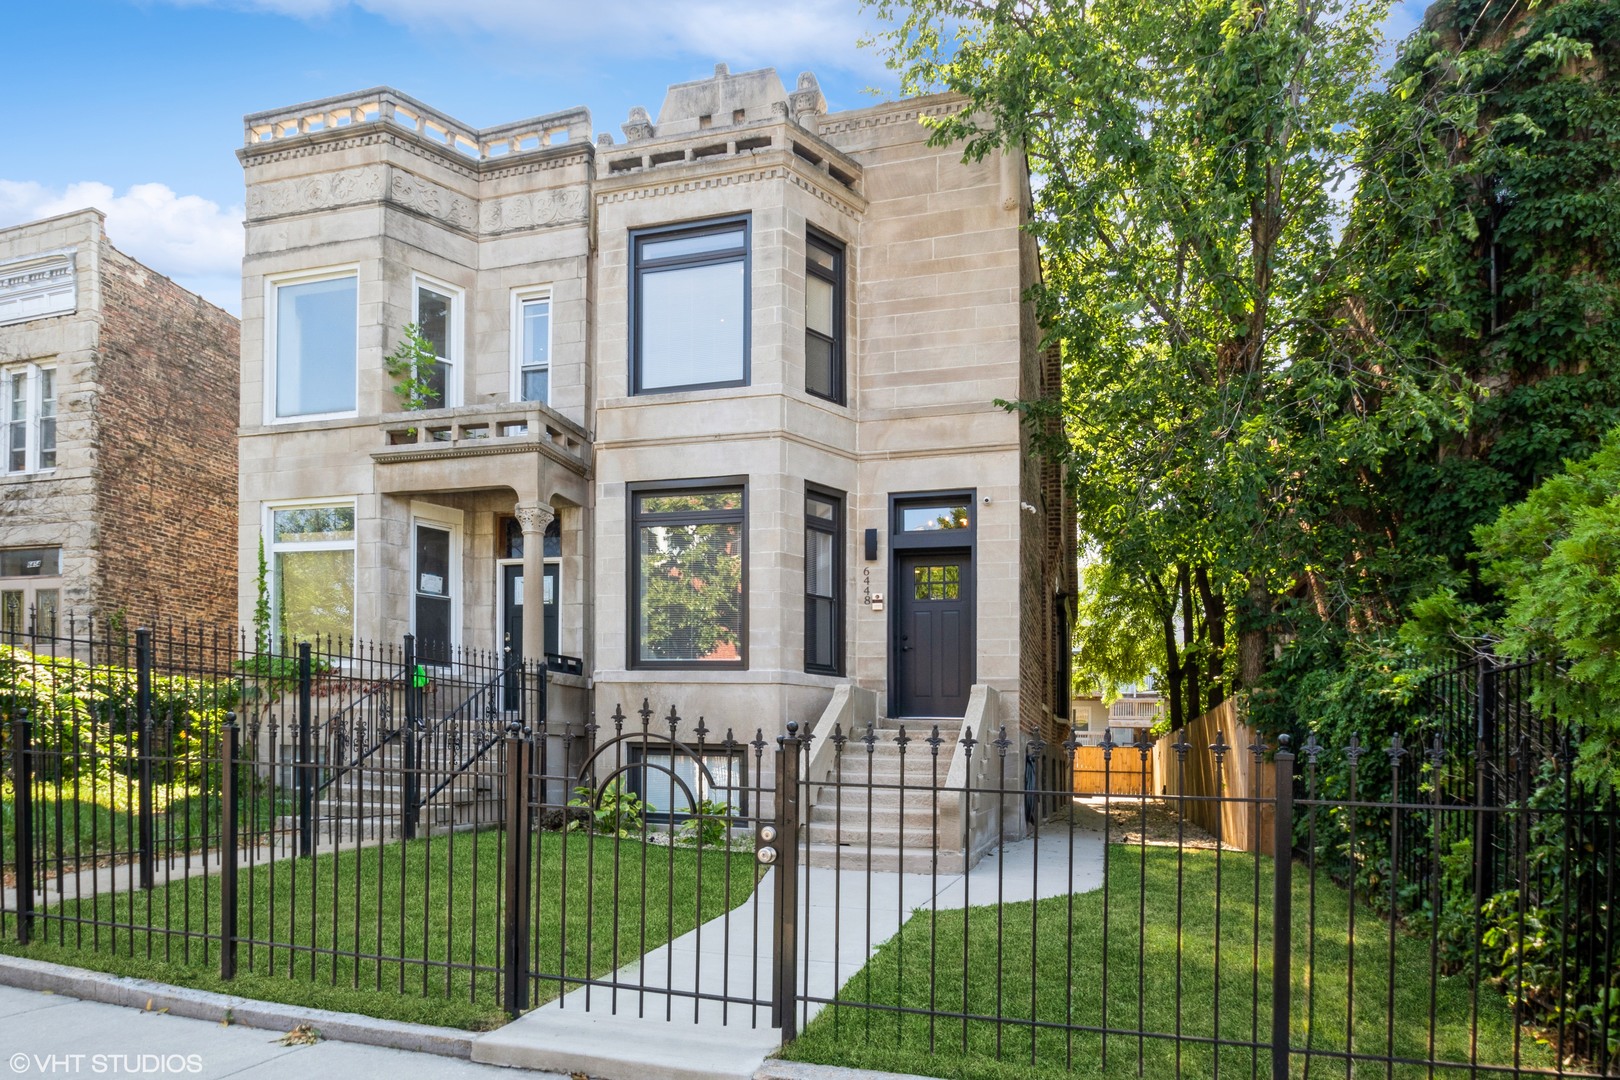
(844, 916)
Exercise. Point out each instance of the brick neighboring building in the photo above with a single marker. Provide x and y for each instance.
(118, 397)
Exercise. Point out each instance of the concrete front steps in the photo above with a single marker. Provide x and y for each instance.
(883, 810)
(366, 803)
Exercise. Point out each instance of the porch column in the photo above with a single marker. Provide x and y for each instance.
(533, 520)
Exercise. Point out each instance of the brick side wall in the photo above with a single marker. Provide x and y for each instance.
(1046, 540)
(166, 474)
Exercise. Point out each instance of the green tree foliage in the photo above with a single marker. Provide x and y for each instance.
(414, 365)
(1556, 559)
(691, 589)
(1489, 218)
(85, 718)
(1225, 408)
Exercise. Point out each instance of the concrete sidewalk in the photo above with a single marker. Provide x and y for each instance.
(844, 916)
(46, 1034)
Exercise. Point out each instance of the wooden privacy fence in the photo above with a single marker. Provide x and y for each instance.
(1230, 798)
(1120, 774)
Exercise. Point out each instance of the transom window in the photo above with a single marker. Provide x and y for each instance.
(438, 319)
(689, 307)
(311, 555)
(313, 345)
(531, 347)
(824, 317)
(28, 396)
(30, 590)
(823, 583)
(687, 569)
(943, 517)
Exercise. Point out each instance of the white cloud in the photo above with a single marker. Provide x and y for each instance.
(739, 32)
(189, 238)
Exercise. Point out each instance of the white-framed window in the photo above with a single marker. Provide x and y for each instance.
(436, 311)
(531, 345)
(435, 581)
(310, 549)
(30, 590)
(28, 397)
(311, 342)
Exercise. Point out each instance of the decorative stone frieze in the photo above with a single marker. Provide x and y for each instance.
(37, 286)
(431, 200)
(531, 210)
(322, 191)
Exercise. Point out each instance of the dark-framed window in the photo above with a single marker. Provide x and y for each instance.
(823, 582)
(689, 306)
(824, 317)
(688, 574)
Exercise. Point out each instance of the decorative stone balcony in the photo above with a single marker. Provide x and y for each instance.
(385, 105)
(483, 431)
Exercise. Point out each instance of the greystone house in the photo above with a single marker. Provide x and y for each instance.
(117, 444)
(713, 418)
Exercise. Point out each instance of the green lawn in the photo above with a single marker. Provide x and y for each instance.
(430, 903)
(1070, 988)
(97, 820)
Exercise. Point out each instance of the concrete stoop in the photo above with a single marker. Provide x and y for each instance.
(885, 812)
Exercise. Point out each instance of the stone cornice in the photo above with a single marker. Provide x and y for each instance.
(698, 176)
(899, 112)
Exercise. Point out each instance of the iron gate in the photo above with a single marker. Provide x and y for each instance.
(663, 834)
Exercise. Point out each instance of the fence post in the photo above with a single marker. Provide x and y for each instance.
(407, 734)
(1485, 779)
(230, 842)
(22, 820)
(1282, 906)
(306, 766)
(785, 945)
(143, 753)
(515, 940)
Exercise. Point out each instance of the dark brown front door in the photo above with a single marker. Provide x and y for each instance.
(933, 633)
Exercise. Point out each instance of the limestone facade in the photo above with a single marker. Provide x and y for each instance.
(637, 257)
(118, 393)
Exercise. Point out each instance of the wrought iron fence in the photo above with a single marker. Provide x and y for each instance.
(1436, 904)
(189, 795)
(1118, 936)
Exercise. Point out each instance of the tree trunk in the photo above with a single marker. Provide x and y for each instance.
(1192, 697)
(1172, 668)
(1254, 635)
(1215, 623)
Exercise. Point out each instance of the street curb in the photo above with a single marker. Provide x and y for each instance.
(799, 1070)
(27, 974)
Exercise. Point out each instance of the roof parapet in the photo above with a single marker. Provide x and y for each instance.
(386, 106)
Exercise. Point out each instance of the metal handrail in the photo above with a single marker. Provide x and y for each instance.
(387, 737)
(490, 685)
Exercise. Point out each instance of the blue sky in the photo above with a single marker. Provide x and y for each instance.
(136, 107)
